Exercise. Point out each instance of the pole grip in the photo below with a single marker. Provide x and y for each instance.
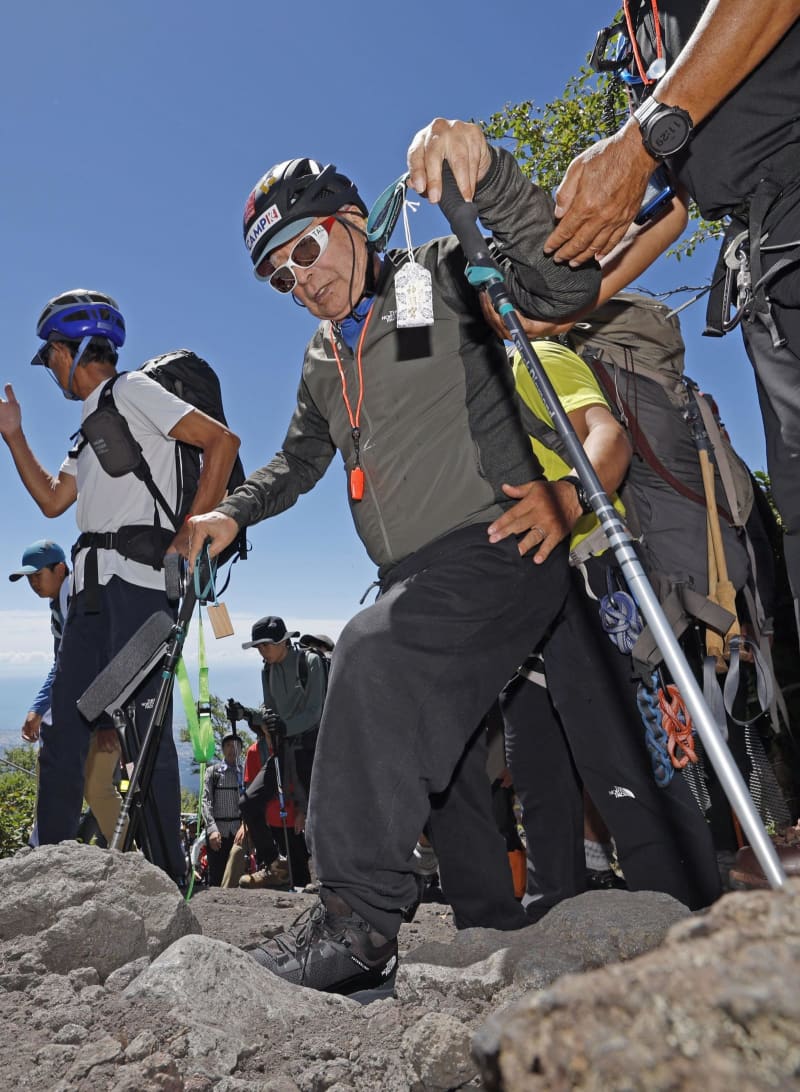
(462, 216)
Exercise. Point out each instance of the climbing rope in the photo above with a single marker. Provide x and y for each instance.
(619, 616)
(677, 723)
(655, 736)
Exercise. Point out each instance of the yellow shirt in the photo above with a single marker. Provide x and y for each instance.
(576, 388)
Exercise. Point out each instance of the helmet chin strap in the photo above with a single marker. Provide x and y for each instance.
(67, 391)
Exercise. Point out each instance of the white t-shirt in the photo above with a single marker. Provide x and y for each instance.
(106, 503)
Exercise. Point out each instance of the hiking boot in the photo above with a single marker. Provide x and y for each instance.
(275, 875)
(748, 873)
(335, 951)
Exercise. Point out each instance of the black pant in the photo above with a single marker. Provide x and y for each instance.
(778, 382)
(412, 676)
(217, 860)
(662, 839)
(91, 641)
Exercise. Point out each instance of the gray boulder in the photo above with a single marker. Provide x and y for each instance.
(72, 906)
(201, 982)
(716, 1007)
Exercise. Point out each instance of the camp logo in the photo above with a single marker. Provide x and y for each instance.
(267, 218)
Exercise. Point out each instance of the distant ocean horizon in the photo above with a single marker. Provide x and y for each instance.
(189, 777)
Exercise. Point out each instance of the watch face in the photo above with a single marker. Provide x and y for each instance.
(668, 134)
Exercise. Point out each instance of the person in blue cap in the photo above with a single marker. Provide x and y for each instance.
(44, 563)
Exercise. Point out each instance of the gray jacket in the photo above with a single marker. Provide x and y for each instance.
(440, 429)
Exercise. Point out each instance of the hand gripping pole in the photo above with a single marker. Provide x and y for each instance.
(484, 272)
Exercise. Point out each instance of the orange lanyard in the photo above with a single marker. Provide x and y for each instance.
(356, 474)
(635, 45)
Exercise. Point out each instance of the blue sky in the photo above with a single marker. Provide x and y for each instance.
(131, 136)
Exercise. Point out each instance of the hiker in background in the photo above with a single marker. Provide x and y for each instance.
(114, 592)
(44, 563)
(661, 839)
(690, 500)
(222, 788)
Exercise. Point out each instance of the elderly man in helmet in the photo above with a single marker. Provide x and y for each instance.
(405, 380)
(118, 579)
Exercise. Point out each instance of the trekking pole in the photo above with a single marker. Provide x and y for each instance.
(274, 740)
(483, 272)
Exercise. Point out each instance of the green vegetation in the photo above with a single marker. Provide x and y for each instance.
(17, 798)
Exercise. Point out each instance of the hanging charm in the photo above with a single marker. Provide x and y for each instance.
(412, 286)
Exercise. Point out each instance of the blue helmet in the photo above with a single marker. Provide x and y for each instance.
(81, 313)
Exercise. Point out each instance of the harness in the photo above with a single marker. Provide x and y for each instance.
(108, 434)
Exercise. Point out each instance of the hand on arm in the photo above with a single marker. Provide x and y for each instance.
(53, 495)
(464, 147)
(546, 512)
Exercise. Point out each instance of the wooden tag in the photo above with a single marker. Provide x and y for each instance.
(220, 620)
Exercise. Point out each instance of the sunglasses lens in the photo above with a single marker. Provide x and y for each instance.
(283, 280)
(265, 269)
(307, 251)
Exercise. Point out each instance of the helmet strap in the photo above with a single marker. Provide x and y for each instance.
(68, 392)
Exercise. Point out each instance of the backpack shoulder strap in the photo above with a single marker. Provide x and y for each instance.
(302, 667)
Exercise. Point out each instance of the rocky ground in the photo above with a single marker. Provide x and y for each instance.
(109, 981)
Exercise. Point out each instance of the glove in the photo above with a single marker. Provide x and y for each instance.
(274, 721)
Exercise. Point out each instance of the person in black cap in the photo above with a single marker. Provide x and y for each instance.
(221, 791)
(293, 684)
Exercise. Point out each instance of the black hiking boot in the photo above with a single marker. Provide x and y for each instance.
(335, 951)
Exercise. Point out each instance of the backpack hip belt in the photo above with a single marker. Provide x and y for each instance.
(143, 543)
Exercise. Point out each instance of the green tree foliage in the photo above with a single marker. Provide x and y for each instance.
(17, 798)
(545, 139)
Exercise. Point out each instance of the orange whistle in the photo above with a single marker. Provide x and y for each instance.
(356, 483)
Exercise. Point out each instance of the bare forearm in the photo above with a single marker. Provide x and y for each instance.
(218, 459)
(609, 452)
(731, 39)
(46, 490)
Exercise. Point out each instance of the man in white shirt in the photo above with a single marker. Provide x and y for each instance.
(119, 584)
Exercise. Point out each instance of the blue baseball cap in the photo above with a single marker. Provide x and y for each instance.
(38, 556)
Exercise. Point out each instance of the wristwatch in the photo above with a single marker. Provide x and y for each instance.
(665, 129)
(583, 499)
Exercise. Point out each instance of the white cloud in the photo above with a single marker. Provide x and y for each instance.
(26, 645)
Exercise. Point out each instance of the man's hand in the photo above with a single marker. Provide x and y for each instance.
(215, 840)
(274, 721)
(106, 739)
(299, 822)
(239, 836)
(219, 530)
(31, 727)
(545, 514)
(464, 147)
(10, 414)
(599, 196)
